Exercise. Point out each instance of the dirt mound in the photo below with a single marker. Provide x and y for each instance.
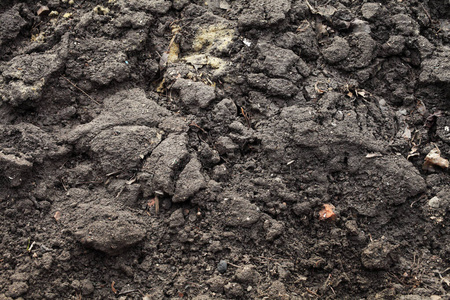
(254, 149)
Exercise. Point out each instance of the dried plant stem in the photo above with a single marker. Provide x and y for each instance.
(75, 86)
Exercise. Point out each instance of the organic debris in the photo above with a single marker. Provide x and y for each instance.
(327, 213)
(434, 158)
(372, 155)
(413, 152)
(43, 9)
(431, 119)
(57, 216)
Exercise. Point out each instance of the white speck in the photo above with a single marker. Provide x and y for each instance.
(446, 128)
(247, 42)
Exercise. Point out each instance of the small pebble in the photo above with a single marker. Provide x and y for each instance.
(222, 266)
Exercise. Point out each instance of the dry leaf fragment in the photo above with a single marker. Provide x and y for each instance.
(57, 216)
(413, 152)
(318, 89)
(327, 212)
(431, 119)
(372, 155)
(434, 158)
(43, 9)
(362, 93)
(112, 287)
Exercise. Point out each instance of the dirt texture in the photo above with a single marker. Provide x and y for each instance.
(220, 149)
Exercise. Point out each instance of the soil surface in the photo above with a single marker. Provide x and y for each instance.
(223, 149)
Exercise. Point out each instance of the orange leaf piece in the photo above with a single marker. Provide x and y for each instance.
(57, 216)
(112, 287)
(327, 212)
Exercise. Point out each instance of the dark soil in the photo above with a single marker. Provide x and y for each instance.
(165, 149)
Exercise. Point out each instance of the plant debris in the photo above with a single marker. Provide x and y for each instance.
(57, 216)
(434, 158)
(327, 213)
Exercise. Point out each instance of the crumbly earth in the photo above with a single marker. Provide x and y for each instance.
(184, 149)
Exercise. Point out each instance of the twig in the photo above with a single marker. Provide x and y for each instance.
(233, 265)
(246, 117)
(312, 292)
(87, 95)
(426, 12)
(195, 125)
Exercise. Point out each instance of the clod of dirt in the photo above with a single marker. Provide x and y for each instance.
(394, 46)
(23, 146)
(278, 62)
(277, 290)
(405, 25)
(153, 6)
(194, 94)
(241, 213)
(362, 51)
(281, 87)
(443, 128)
(379, 255)
(217, 283)
(259, 13)
(233, 290)
(436, 69)
(122, 148)
(17, 289)
(371, 10)
(176, 219)
(247, 274)
(434, 158)
(24, 77)
(107, 230)
(273, 229)
(190, 181)
(337, 51)
(164, 164)
(123, 108)
(14, 168)
(11, 23)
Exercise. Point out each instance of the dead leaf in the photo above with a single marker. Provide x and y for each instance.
(57, 216)
(318, 90)
(362, 93)
(407, 133)
(43, 9)
(327, 212)
(413, 152)
(372, 155)
(151, 203)
(112, 287)
(421, 108)
(434, 158)
(431, 119)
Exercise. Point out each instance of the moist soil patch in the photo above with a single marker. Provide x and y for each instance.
(254, 149)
